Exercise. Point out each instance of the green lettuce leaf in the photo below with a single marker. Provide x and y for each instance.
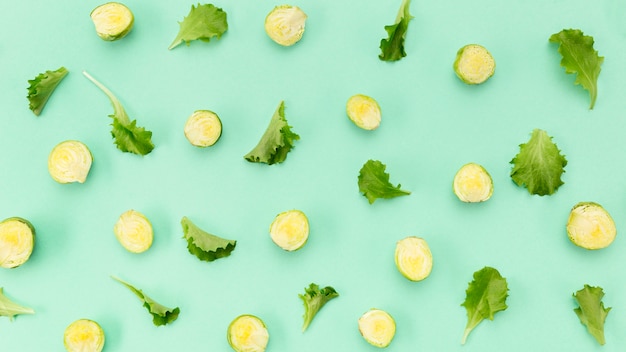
(393, 47)
(485, 296)
(374, 182)
(591, 311)
(276, 142)
(10, 309)
(314, 299)
(203, 23)
(579, 57)
(203, 245)
(128, 136)
(539, 165)
(161, 315)
(41, 88)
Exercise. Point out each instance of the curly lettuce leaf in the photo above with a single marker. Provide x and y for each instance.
(581, 58)
(41, 88)
(276, 142)
(591, 311)
(374, 182)
(314, 299)
(203, 245)
(10, 309)
(539, 164)
(128, 136)
(485, 296)
(161, 315)
(203, 23)
(392, 48)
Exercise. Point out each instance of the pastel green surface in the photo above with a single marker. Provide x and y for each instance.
(432, 124)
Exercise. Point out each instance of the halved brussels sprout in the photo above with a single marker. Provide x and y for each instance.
(134, 231)
(285, 24)
(17, 240)
(113, 20)
(203, 128)
(290, 230)
(590, 226)
(377, 327)
(83, 335)
(472, 183)
(69, 162)
(413, 258)
(363, 111)
(474, 64)
(247, 333)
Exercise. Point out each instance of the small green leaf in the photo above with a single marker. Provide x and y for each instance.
(203, 23)
(581, 58)
(314, 299)
(161, 315)
(276, 142)
(204, 245)
(591, 312)
(10, 309)
(41, 88)
(393, 47)
(539, 165)
(374, 182)
(485, 296)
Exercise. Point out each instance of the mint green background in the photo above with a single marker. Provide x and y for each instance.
(432, 125)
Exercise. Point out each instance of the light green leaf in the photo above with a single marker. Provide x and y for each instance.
(374, 182)
(203, 23)
(10, 309)
(161, 315)
(314, 299)
(485, 296)
(581, 58)
(276, 142)
(393, 47)
(591, 312)
(539, 165)
(41, 88)
(204, 245)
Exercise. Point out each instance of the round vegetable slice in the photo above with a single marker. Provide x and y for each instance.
(203, 128)
(363, 111)
(285, 24)
(377, 327)
(413, 258)
(113, 20)
(69, 162)
(247, 333)
(134, 231)
(17, 240)
(290, 230)
(83, 335)
(590, 226)
(472, 183)
(474, 64)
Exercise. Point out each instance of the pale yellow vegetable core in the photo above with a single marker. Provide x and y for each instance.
(285, 24)
(377, 327)
(70, 161)
(247, 333)
(474, 64)
(590, 226)
(413, 258)
(290, 230)
(472, 183)
(84, 335)
(203, 128)
(134, 231)
(17, 240)
(363, 111)
(112, 20)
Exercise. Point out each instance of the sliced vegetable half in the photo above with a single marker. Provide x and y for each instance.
(472, 183)
(203, 128)
(70, 161)
(134, 231)
(377, 327)
(413, 258)
(290, 230)
(247, 333)
(285, 24)
(113, 20)
(364, 111)
(590, 226)
(83, 335)
(474, 64)
(17, 240)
